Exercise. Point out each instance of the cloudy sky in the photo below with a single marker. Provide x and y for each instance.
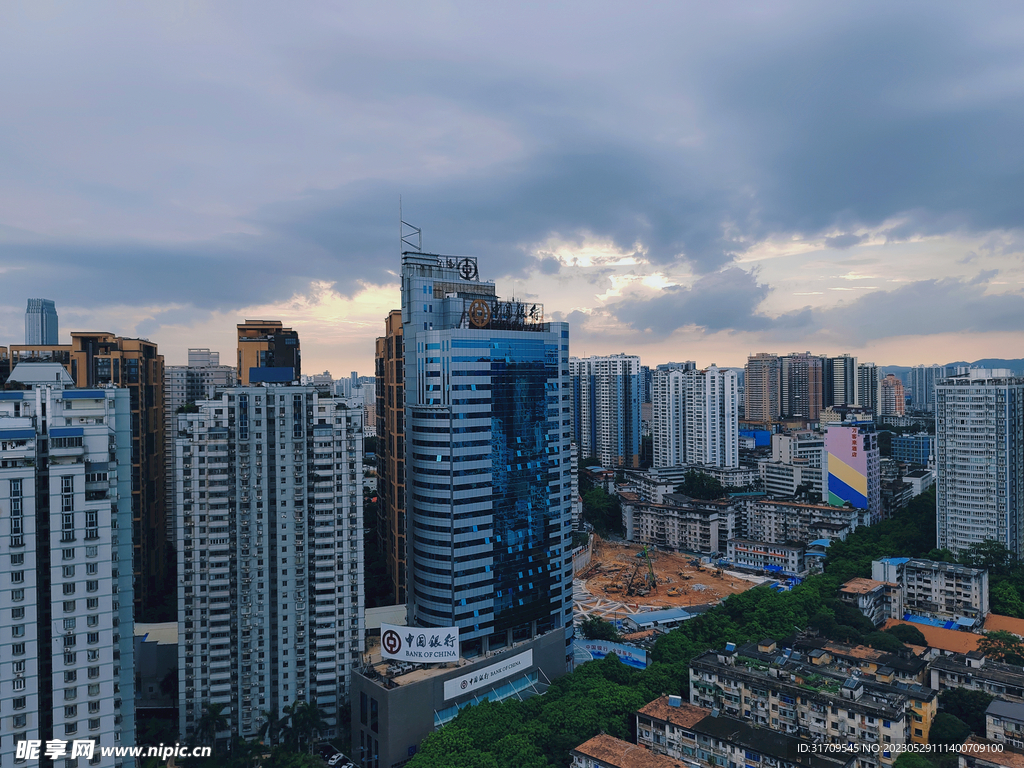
(682, 181)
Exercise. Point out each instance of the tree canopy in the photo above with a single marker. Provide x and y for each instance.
(698, 485)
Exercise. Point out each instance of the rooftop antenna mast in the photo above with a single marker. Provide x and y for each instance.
(407, 231)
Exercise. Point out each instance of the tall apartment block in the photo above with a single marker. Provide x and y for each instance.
(41, 325)
(103, 359)
(854, 467)
(867, 386)
(606, 392)
(839, 381)
(390, 414)
(488, 495)
(921, 382)
(979, 456)
(268, 483)
(801, 392)
(184, 385)
(268, 344)
(891, 400)
(696, 417)
(66, 669)
(762, 388)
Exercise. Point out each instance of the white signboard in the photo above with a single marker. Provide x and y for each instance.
(484, 678)
(419, 645)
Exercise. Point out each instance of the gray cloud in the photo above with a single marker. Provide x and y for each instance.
(922, 308)
(721, 301)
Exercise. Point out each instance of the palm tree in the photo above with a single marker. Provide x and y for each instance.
(289, 723)
(272, 726)
(210, 722)
(310, 722)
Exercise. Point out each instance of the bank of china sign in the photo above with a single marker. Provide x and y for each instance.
(486, 677)
(420, 645)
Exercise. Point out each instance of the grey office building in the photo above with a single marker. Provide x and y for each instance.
(41, 322)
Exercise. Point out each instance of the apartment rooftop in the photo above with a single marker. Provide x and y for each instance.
(861, 586)
(994, 622)
(951, 640)
(683, 715)
(766, 741)
(1009, 674)
(764, 661)
(611, 751)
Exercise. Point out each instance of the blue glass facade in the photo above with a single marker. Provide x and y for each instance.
(488, 426)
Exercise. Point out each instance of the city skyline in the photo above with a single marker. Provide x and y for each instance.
(702, 183)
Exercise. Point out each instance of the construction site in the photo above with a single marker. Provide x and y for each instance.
(627, 578)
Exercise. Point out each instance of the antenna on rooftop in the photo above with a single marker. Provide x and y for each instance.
(406, 236)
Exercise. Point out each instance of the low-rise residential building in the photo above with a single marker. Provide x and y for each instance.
(670, 727)
(604, 751)
(786, 479)
(786, 557)
(978, 673)
(919, 480)
(783, 691)
(889, 668)
(878, 600)
(681, 524)
(937, 589)
(775, 520)
(1004, 723)
(981, 753)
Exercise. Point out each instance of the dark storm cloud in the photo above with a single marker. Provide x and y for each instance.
(696, 132)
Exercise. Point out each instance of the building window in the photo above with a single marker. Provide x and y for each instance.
(17, 577)
(19, 702)
(69, 606)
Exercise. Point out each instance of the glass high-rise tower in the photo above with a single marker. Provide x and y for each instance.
(487, 410)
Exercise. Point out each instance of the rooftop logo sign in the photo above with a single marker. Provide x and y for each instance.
(419, 645)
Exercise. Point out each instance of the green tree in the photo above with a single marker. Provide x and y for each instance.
(698, 485)
(912, 760)
(1002, 646)
(272, 726)
(907, 634)
(603, 511)
(990, 554)
(595, 628)
(948, 729)
(211, 721)
(968, 705)
(883, 641)
(1005, 600)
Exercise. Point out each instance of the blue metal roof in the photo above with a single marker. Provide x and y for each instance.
(84, 394)
(66, 432)
(895, 560)
(17, 434)
(668, 614)
(821, 543)
(11, 395)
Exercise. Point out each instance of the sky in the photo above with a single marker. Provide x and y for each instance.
(679, 180)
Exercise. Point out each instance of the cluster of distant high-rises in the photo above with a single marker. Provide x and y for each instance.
(228, 500)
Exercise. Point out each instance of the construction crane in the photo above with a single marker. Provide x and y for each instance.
(652, 580)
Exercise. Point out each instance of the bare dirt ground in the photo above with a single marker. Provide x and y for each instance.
(612, 565)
